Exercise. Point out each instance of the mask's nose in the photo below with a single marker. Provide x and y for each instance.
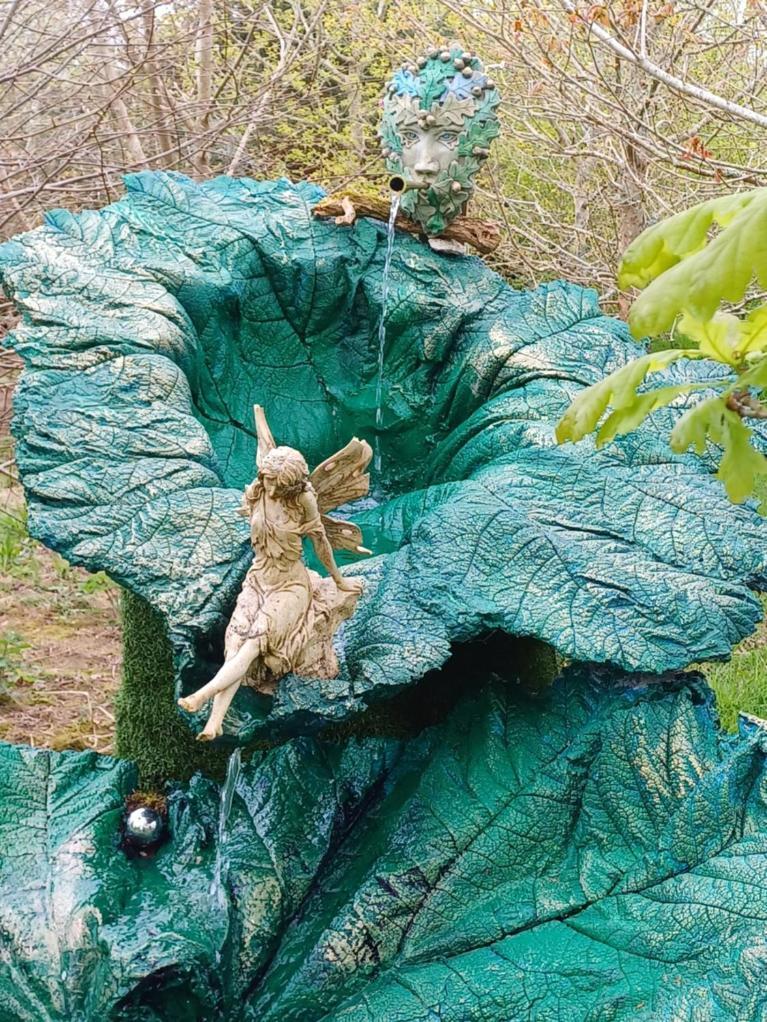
(425, 165)
(425, 168)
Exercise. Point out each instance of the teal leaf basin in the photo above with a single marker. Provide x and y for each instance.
(151, 327)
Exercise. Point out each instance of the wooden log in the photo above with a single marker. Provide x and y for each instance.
(483, 235)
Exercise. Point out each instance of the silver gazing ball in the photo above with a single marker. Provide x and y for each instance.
(143, 827)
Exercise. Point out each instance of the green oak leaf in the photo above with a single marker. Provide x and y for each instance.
(483, 127)
(677, 237)
(727, 338)
(717, 338)
(433, 78)
(688, 265)
(596, 851)
(683, 269)
(151, 327)
(740, 464)
(619, 392)
(753, 332)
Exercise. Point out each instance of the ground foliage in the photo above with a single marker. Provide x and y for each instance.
(59, 642)
(151, 327)
(532, 856)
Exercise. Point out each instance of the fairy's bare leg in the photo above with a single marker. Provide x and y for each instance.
(233, 670)
(221, 703)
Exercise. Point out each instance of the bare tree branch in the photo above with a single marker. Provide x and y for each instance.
(696, 92)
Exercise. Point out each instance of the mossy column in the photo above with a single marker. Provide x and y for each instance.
(150, 730)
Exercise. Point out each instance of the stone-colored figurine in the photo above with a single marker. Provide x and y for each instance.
(286, 615)
(439, 118)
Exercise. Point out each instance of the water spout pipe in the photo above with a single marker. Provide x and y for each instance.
(399, 185)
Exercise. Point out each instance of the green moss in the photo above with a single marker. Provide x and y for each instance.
(151, 732)
(149, 728)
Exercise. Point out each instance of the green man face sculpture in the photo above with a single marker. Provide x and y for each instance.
(439, 118)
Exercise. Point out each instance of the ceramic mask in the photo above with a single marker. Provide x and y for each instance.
(439, 118)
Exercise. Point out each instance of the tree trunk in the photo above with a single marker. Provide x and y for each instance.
(204, 60)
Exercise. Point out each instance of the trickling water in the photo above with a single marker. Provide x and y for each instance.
(396, 196)
(217, 890)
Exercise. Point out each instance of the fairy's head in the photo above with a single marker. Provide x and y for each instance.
(439, 118)
(284, 473)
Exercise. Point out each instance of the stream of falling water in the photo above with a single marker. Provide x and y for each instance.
(396, 196)
(217, 889)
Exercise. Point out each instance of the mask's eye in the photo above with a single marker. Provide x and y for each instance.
(448, 138)
(409, 137)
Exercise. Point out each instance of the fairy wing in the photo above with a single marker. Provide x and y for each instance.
(337, 480)
(265, 439)
(343, 535)
(342, 477)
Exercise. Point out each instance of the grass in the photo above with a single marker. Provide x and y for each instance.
(13, 538)
(13, 671)
(741, 683)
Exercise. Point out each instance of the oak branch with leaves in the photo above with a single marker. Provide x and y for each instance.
(691, 267)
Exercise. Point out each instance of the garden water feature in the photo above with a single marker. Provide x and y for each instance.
(585, 845)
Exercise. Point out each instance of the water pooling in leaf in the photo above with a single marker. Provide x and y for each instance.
(395, 200)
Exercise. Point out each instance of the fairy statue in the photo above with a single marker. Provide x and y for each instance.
(286, 614)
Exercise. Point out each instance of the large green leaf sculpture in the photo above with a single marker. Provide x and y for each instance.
(152, 326)
(596, 852)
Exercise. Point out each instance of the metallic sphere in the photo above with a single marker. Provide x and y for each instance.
(143, 826)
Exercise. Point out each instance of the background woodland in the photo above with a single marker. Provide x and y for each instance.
(614, 115)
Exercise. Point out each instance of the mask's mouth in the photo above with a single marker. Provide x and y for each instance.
(399, 184)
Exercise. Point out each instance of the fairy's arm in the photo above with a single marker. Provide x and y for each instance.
(315, 530)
